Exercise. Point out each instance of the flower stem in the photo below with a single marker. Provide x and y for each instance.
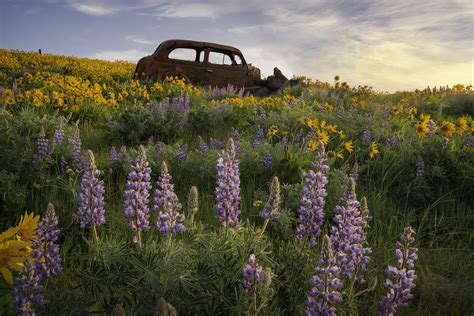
(95, 234)
(263, 229)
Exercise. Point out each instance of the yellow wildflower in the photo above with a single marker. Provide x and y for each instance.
(373, 150)
(422, 129)
(312, 144)
(323, 136)
(27, 227)
(448, 128)
(273, 130)
(462, 124)
(349, 146)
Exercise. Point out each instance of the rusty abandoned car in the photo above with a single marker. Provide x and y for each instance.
(208, 64)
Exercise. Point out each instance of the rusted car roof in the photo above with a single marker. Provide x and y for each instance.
(178, 42)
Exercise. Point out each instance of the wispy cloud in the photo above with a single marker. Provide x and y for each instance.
(132, 55)
(138, 40)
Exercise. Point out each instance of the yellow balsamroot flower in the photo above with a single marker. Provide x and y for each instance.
(12, 255)
(422, 129)
(425, 118)
(311, 123)
(331, 128)
(448, 128)
(27, 227)
(341, 134)
(323, 136)
(273, 130)
(349, 146)
(462, 124)
(302, 120)
(373, 150)
(340, 155)
(312, 144)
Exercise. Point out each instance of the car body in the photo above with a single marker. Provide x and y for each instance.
(199, 63)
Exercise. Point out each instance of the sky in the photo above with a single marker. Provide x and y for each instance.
(387, 44)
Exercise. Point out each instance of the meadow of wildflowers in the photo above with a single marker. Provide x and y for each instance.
(127, 197)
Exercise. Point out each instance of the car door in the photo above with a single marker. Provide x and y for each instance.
(223, 68)
(189, 62)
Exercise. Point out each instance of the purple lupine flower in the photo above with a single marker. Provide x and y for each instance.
(420, 168)
(391, 142)
(42, 148)
(431, 128)
(28, 290)
(158, 149)
(75, 142)
(469, 142)
(63, 164)
(91, 211)
(298, 136)
(151, 140)
(165, 103)
(401, 279)
(259, 137)
(123, 156)
(325, 292)
(444, 142)
(354, 174)
(386, 114)
(284, 141)
(267, 161)
(45, 249)
(215, 112)
(366, 137)
(136, 196)
(261, 112)
(203, 147)
(353, 112)
(216, 144)
(271, 210)
(58, 136)
(236, 137)
(228, 187)
(165, 201)
(113, 154)
(348, 235)
(311, 210)
(251, 274)
(182, 152)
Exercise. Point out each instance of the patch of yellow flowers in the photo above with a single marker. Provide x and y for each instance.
(15, 245)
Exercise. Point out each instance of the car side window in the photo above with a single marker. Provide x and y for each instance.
(237, 60)
(200, 56)
(188, 54)
(218, 58)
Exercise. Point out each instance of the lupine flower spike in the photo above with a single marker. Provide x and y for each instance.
(91, 210)
(136, 196)
(28, 290)
(325, 292)
(271, 210)
(228, 187)
(402, 277)
(348, 235)
(58, 136)
(311, 210)
(75, 142)
(45, 249)
(42, 149)
(166, 202)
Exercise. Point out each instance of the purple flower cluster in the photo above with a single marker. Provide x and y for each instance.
(167, 204)
(348, 235)
(271, 210)
(366, 136)
(325, 292)
(230, 90)
(91, 211)
(259, 137)
(267, 161)
(136, 196)
(64, 164)
(42, 148)
(402, 277)
(123, 156)
(203, 147)
(113, 154)
(236, 137)
(228, 187)
(311, 210)
(251, 275)
(216, 144)
(298, 137)
(58, 138)
(75, 142)
(45, 249)
(420, 168)
(469, 142)
(182, 152)
(28, 290)
(431, 128)
(391, 142)
(284, 141)
(158, 149)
